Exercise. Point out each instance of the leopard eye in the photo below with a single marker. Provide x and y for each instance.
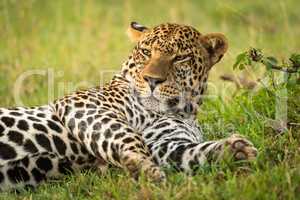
(182, 58)
(146, 52)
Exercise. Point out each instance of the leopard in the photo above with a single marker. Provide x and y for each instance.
(143, 121)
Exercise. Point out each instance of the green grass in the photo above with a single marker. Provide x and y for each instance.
(72, 42)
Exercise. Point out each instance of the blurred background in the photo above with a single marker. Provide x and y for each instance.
(70, 42)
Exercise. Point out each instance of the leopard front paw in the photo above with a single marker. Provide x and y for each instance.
(240, 147)
(146, 167)
(155, 174)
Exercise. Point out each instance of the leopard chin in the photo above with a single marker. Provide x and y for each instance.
(162, 107)
(152, 103)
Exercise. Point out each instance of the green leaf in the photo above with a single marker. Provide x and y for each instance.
(268, 65)
(295, 59)
(240, 59)
(241, 66)
(249, 61)
(270, 62)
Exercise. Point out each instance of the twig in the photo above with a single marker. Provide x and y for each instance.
(284, 69)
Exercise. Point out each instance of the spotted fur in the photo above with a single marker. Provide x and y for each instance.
(143, 119)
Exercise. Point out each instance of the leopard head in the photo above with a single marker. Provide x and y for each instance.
(169, 66)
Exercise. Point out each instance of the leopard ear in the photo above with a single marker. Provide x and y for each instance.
(216, 45)
(135, 31)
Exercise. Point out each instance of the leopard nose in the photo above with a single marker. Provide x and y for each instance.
(153, 82)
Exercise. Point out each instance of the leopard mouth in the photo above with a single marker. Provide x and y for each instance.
(150, 102)
(170, 105)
